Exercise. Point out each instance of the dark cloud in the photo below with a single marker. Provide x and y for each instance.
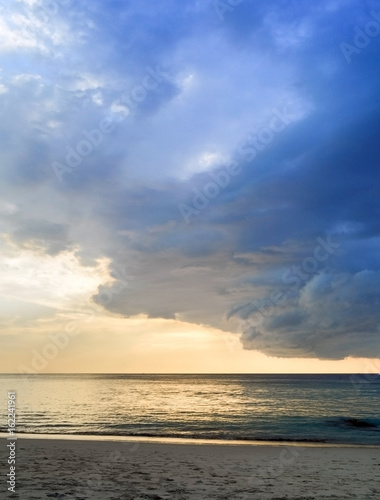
(221, 85)
(333, 316)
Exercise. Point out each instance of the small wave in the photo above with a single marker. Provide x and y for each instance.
(178, 435)
(356, 423)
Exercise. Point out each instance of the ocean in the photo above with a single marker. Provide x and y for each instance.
(340, 409)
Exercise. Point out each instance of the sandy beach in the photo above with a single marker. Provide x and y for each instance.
(109, 470)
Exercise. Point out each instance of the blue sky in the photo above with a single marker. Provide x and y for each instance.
(219, 160)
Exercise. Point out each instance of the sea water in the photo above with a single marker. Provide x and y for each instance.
(341, 409)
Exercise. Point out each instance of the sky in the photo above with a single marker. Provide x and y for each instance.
(190, 186)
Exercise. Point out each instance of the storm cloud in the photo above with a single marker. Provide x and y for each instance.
(206, 157)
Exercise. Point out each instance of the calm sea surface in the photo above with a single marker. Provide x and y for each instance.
(318, 408)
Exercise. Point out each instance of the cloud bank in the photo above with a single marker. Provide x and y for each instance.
(205, 159)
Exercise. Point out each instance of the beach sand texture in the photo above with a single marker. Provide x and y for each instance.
(106, 470)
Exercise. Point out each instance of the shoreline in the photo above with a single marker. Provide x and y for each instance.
(182, 441)
(72, 469)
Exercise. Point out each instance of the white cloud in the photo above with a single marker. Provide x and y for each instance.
(58, 281)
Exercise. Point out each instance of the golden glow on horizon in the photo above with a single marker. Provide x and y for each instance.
(110, 344)
(50, 324)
